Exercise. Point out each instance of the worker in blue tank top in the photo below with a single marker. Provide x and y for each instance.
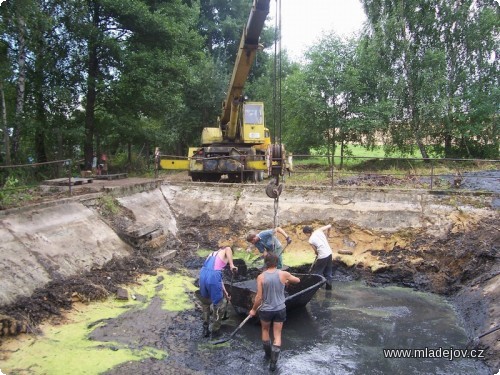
(270, 298)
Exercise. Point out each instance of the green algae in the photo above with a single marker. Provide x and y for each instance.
(172, 289)
(291, 259)
(296, 259)
(67, 349)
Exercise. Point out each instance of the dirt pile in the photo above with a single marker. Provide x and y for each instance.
(443, 265)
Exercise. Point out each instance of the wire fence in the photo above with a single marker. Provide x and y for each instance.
(23, 182)
(19, 182)
(359, 171)
(474, 174)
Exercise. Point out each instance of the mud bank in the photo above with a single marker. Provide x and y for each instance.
(443, 243)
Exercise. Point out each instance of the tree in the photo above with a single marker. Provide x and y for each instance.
(437, 52)
(137, 54)
(4, 72)
(15, 14)
(323, 95)
(161, 66)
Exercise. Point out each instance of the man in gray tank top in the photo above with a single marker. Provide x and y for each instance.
(270, 299)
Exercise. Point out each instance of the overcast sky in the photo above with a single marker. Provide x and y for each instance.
(303, 22)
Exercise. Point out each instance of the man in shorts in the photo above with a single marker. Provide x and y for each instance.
(270, 299)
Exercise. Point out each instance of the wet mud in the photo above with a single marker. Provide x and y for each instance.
(343, 331)
(459, 267)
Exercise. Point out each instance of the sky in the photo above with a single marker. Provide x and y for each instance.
(303, 22)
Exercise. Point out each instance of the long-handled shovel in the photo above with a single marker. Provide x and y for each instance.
(256, 260)
(281, 252)
(230, 293)
(223, 340)
(312, 265)
(473, 343)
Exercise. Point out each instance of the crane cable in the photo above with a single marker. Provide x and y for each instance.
(277, 114)
(277, 105)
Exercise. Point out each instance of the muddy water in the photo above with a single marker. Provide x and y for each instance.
(345, 331)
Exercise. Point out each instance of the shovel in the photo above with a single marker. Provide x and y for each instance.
(223, 340)
(473, 343)
(312, 265)
(230, 293)
(281, 252)
(256, 260)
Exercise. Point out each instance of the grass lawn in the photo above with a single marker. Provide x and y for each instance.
(394, 169)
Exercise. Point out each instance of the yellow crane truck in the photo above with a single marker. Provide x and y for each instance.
(240, 145)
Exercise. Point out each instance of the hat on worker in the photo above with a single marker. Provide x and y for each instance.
(307, 229)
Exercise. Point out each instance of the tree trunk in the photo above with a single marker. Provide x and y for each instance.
(148, 155)
(21, 85)
(129, 157)
(447, 145)
(6, 141)
(342, 145)
(41, 118)
(93, 73)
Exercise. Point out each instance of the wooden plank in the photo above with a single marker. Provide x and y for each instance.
(65, 181)
(111, 176)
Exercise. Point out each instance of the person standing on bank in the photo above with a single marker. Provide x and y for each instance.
(271, 299)
(212, 290)
(267, 242)
(323, 265)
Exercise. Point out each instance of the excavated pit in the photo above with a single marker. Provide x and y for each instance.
(459, 263)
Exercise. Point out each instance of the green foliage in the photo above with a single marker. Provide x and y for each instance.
(249, 257)
(133, 163)
(109, 75)
(435, 59)
(12, 193)
(109, 205)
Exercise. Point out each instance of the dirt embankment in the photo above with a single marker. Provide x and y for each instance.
(462, 264)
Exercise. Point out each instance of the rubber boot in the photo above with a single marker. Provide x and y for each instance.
(218, 311)
(275, 354)
(267, 349)
(206, 331)
(206, 319)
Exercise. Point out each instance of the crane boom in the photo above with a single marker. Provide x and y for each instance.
(239, 147)
(244, 60)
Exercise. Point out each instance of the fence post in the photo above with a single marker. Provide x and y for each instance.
(331, 174)
(157, 161)
(68, 166)
(432, 174)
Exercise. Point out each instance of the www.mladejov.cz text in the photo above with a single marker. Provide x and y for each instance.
(447, 353)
